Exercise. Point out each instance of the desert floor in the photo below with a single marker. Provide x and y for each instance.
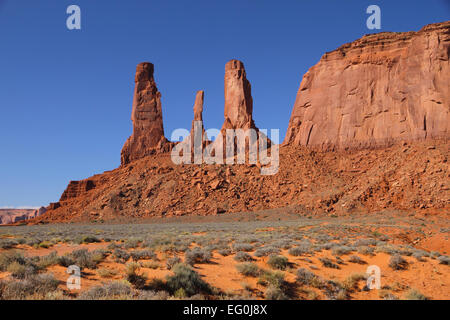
(232, 257)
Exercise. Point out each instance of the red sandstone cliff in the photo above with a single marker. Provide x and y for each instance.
(380, 88)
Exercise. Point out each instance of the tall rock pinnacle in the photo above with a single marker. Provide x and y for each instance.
(238, 97)
(198, 106)
(148, 131)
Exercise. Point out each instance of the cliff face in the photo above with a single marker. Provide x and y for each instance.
(8, 216)
(378, 89)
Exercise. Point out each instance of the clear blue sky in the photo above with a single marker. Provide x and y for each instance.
(65, 96)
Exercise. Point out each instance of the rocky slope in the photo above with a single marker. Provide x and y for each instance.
(369, 131)
(378, 89)
(405, 176)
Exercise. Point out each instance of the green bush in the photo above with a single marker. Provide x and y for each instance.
(116, 290)
(248, 269)
(186, 278)
(171, 262)
(137, 280)
(243, 256)
(278, 262)
(197, 255)
(304, 276)
(38, 286)
(326, 262)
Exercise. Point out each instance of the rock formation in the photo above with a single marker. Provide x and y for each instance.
(148, 131)
(381, 88)
(75, 188)
(238, 97)
(9, 216)
(198, 106)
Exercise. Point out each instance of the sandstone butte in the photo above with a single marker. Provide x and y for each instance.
(369, 131)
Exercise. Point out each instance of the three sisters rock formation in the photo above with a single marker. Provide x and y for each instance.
(365, 118)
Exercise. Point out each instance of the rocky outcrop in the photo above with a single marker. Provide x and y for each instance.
(238, 112)
(238, 97)
(148, 131)
(198, 105)
(9, 216)
(381, 88)
(75, 188)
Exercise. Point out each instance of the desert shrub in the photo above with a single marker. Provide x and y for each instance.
(37, 286)
(197, 255)
(243, 256)
(300, 250)
(273, 278)
(110, 291)
(225, 252)
(365, 242)
(8, 257)
(418, 256)
(396, 262)
(113, 246)
(121, 256)
(17, 264)
(365, 250)
(171, 262)
(49, 260)
(137, 255)
(444, 260)
(282, 243)
(106, 273)
(83, 259)
(386, 295)
(304, 276)
(21, 271)
(131, 243)
(87, 239)
(278, 262)
(137, 280)
(186, 278)
(275, 293)
(248, 269)
(66, 261)
(266, 251)
(351, 282)
(342, 295)
(414, 294)
(356, 259)
(242, 247)
(152, 295)
(388, 249)
(99, 255)
(326, 262)
(45, 244)
(341, 250)
(8, 244)
(339, 260)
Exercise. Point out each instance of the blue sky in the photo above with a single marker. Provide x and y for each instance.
(65, 96)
